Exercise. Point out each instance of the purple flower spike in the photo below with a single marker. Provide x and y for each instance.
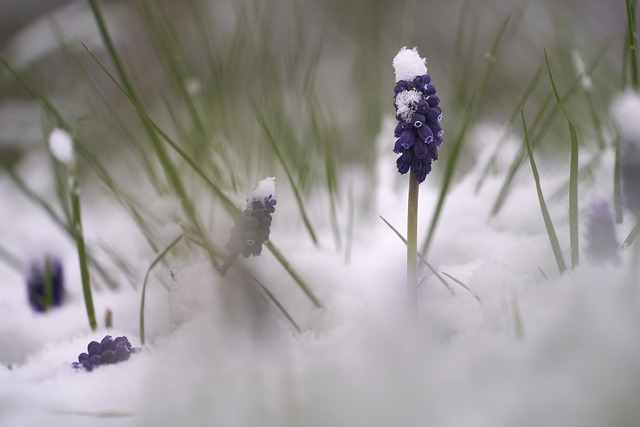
(418, 114)
(45, 285)
(252, 229)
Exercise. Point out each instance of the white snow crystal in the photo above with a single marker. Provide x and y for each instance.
(625, 111)
(406, 102)
(61, 146)
(264, 189)
(408, 64)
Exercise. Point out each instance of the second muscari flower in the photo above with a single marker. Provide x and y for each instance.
(418, 113)
(252, 229)
(602, 243)
(45, 285)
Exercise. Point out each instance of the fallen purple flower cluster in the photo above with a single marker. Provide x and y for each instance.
(106, 352)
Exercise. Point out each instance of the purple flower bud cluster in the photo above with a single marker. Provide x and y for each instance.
(252, 229)
(106, 352)
(418, 131)
(45, 285)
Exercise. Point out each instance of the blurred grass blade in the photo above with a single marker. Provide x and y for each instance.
(539, 128)
(169, 168)
(617, 182)
(632, 236)
(350, 216)
(530, 89)
(461, 283)
(283, 261)
(155, 262)
(632, 38)
(11, 260)
(551, 232)
(275, 301)
(267, 131)
(456, 146)
(573, 173)
(420, 256)
(226, 201)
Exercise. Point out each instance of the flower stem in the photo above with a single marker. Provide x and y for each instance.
(412, 241)
(228, 263)
(82, 253)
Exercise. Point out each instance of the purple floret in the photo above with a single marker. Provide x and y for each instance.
(418, 133)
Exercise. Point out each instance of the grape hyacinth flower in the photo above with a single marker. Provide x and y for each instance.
(106, 352)
(625, 111)
(251, 230)
(418, 113)
(602, 243)
(419, 135)
(45, 285)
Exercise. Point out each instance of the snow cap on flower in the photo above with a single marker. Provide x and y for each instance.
(408, 64)
(106, 352)
(45, 285)
(252, 229)
(418, 132)
(625, 111)
(602, 243)
(61, 146)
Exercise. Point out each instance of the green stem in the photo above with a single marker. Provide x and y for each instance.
(228, 263)
(82, 253)
(412, 241)
(633, 46)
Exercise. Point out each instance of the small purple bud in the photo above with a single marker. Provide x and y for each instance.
(434, 115)
(426, 134)
(433, 100)
(407, 139)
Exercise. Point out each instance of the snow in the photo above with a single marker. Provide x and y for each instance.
(560, 351)
(408, 64)
(625, 111)
(406, 102)
(264, 189)
(61, 146)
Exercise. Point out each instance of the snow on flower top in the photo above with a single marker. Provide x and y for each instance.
(264, 189)
(61, 146)
(408, 64)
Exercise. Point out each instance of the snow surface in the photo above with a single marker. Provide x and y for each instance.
(408, 64)
(61, 146)
(534, 351)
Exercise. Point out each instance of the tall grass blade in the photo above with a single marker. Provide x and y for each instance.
(539, 128)
(277, 303)
(632, 38)
(551, 232)
(143, 295)
(573, 173)
(11, 260)
(458, 142)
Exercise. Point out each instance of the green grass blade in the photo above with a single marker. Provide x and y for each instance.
(617, 182)
(573, 173)
(632, 38)
(143, 295)
(635, 231)
(463, 285)
(11, 260)
(267, 131)
(422, 259)
(551, 232)
(539, 128)
(350, 216)
(285, 264)
(529, 90)
(277, 303)
(458, 142)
